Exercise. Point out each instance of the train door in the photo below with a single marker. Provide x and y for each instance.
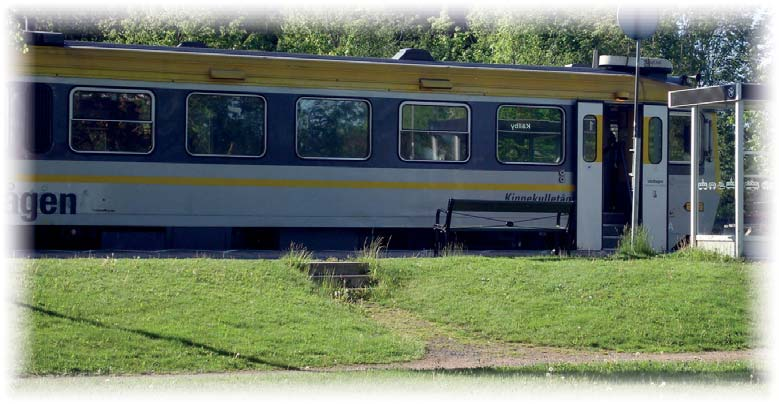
(654, 178)
(617, 157)
(589, 178)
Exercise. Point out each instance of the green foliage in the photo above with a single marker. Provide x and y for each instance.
(173, 26)
(344, 33)
(668, 303)
(14, 30)
(756, 137)
(545, 36)
(640, 246)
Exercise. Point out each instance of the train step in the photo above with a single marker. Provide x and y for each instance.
(344, 281)
(337, 268)
(614, 218)
(610, 242)
(612, 230)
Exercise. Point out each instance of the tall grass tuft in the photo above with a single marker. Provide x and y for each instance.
(374, 249)
(453, 250)
(699, 254)
(641, 247)
(297, 257)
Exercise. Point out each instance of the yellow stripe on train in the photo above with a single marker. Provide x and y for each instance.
(289, 183)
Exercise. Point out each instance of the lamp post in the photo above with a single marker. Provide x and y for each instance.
(637, 24)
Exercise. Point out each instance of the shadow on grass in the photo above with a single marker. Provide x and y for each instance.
(625, 375)
(153, 335)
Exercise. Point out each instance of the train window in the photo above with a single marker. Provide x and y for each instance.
(530, 135)
(434, 132)
(679, 138)
(225, 125)
(111, 121)
(655, 146)
(590, 138)
(333, 128)
(32, 104)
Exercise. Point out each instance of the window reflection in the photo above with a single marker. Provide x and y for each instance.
(434, 132)
(225, 124)
(530, 135)
(111, 121)
(333, 128)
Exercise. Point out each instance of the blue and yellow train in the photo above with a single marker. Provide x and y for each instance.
(146, 147)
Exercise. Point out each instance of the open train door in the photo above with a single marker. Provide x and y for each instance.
(589, 178)
(654, 178)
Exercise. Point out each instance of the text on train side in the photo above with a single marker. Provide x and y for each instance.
(29, 204)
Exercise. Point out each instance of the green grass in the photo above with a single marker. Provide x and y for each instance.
(102, 316)
(669, 303)
(640, 247)
(129, 316)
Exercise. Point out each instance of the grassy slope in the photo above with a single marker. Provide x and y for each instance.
(668, 303)
(135, 316)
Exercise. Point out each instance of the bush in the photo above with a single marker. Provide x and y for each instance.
(641, 247)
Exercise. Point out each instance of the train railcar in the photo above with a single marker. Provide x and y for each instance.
(147, 147)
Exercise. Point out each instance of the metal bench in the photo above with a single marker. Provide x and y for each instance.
(444, 230)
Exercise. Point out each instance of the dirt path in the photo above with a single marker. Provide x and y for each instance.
(449, 349)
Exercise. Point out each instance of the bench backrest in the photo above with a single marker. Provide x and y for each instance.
(477, 205)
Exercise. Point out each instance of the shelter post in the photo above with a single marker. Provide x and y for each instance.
(739, 171)
(636, 180)
(695, 129)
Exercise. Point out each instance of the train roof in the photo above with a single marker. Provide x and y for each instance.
(258, 53)
(276, 69)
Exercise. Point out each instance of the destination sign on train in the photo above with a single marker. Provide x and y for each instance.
(529, 126)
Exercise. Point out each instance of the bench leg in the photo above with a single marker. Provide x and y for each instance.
(440, 242)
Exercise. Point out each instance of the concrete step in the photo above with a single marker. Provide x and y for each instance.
(337, 268)
(344, 281)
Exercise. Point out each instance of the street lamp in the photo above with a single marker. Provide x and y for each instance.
(637, 24)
